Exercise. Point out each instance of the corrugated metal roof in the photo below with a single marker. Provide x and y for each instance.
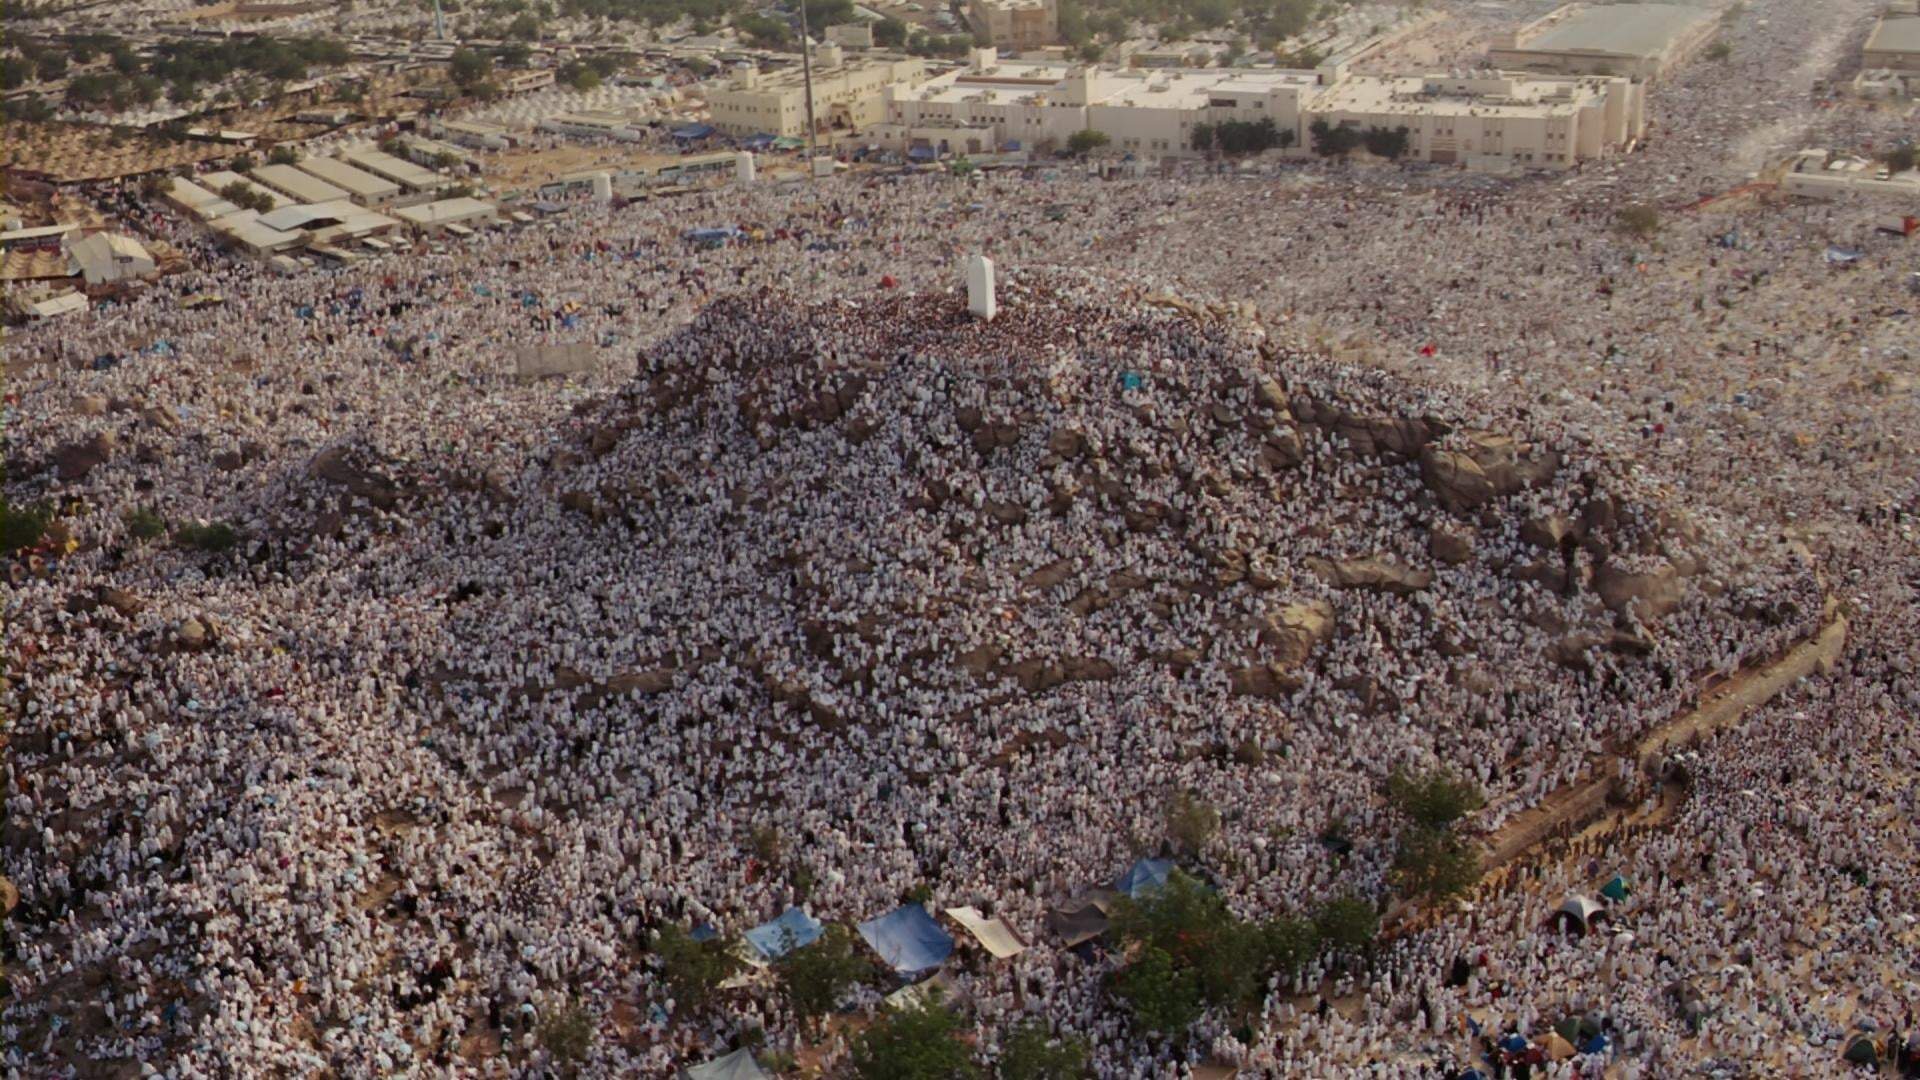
(1896, 33)
(1638, 30)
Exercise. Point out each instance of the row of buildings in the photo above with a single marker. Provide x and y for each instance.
(1486, 120)
(321, 203)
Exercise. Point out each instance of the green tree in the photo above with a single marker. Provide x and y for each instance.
(1086, 141)
(1434, 799)
(816, 975)
(1387, 143)
(468, 69)
(282, 155)
(1331, 141)
(917, 1043)
(1032, 1054)
(1900, 158)
(22, 527)
(1433, 864)
(1719, 50)
(567, 1034)
(890, 33)
(524, 27)
(216, 537)
(1201, 138)
(1163, 997)
(1348, 923)
(1192, 822)
(144, 524)
(694, 969)
(1190, 923)
(1289, 944)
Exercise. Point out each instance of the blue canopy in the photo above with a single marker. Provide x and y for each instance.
(1145, 876)
(792, 930)
(922, 153)
(1010, 145)
(693, 131)
(908, 939)
(1596, 1045)
(1513, 1043)
(757, 142)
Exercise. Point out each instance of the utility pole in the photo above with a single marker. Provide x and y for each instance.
(439, 22)
(806, 76)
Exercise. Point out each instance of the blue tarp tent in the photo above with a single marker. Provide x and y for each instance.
(1145, 876)
(922, 153)
(692, 131)
(908, 939)
(761, 141)
(792, 930)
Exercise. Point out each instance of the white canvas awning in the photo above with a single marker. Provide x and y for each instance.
(999, 939)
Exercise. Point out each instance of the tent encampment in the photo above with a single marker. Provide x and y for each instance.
(1577, 913)
(1557, 1048)
(999, 939)
(1862, 1050)
(1078, 921)
(794, 929)
(738, 1065)
(908, 939)
(1616, 889)
(1145, 876)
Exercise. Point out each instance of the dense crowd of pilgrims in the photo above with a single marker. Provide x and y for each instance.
(450, 739)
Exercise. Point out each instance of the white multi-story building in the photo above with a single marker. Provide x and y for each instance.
(1485, 120)
(848, 96)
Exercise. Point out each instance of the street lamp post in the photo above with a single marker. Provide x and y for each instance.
(806, 76)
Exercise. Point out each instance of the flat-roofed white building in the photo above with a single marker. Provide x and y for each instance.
(297, 185)
(198, 201)
(1489, 120)
(592, 125)
(221, 181)
(1894, 44)
(1039, 105)
(245, 230)
(324, 222)
(847, 96)
(1817, 174)
(1638, 40)
(474, 134)
(362, 187)
(1493, 120)
(414, 178)
(448, 214)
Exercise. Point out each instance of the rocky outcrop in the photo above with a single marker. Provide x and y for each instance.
(1375, 573)
(1648, 594)
(359, 471)
(1486, 466)
(75, 460)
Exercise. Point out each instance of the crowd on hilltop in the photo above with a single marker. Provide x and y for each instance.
(501, 676)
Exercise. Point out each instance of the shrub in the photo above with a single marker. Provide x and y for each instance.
(216, 537)
(145, 524)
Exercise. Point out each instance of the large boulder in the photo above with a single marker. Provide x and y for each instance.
(652, 681)
(1289, 634)
(1649, 594)
(1450, 545)
(1484, 467)
(358, 472)
(75, 460)
(1375, 573)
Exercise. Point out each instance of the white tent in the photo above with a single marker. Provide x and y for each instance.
(64, 304)
(109, 257)
(738, 1065)
(999, 939)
